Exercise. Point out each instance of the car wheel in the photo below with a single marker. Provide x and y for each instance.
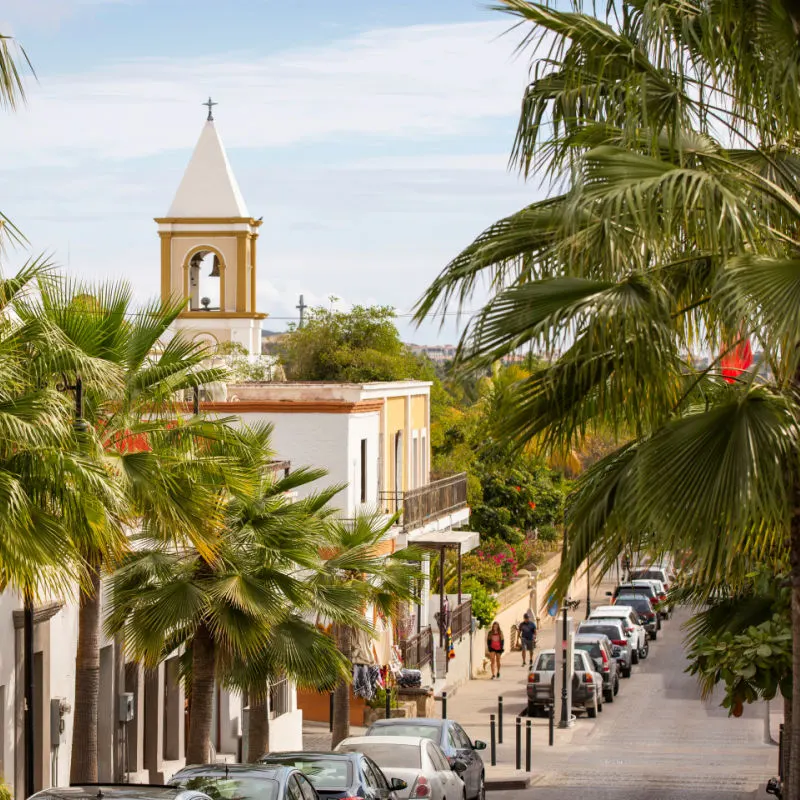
(616, 687)
(600, 702)
(635, 657)
(591, 712)
(645, 651)
(481, 789)
(654, 635)
(626, 672)
(658, 623)
(609, 695)
(532, 710)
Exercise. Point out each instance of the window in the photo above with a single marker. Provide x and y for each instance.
(452, 740)
(415, 463)
(306, 788)
(369, 775)
(466, 744)
(295, 792)
(380, 778)
(363, 470)
(437, 757)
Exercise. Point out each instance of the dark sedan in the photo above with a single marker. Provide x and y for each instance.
(339, 775)
(111, 791)
(451, 737)
(245, 782)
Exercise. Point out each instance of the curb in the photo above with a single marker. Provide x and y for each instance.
(507, 784)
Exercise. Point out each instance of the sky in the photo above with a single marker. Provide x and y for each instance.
(372, 135)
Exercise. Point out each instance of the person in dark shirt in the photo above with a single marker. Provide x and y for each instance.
(527, 637)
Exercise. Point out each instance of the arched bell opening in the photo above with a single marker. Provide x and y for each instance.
(205, 280)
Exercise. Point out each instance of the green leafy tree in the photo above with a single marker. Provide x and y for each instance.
(359, 345)
(237, 608)
(357, 562)
(670, 134)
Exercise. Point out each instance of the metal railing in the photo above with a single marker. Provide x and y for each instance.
(279, 698)
(417, 650)
(428, 502)
(461, 620)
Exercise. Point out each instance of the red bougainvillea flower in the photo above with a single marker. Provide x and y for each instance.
(531, 504)
(518, 488)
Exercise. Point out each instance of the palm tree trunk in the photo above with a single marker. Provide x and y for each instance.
(791, 735)
(83, 768)
(257, 729)
(341, 694)
(198, 748)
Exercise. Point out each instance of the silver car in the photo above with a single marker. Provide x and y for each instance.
(587, 684)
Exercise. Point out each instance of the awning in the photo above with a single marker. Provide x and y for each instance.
(464, 540)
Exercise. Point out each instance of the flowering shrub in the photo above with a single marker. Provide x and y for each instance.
(484, 604)
(485, 571)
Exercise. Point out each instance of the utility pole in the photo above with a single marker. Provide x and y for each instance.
(588, 590)
(564, 672)
(301, 306)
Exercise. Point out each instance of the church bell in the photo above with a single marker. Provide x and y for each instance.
(215, 268)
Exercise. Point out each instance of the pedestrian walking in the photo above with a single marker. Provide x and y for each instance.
(495, 645)
(527, 637)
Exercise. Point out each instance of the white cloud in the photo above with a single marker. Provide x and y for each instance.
(405, 83)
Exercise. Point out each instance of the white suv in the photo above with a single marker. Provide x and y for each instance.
(634, 631)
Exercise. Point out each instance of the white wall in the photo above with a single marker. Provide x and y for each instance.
(8, 602)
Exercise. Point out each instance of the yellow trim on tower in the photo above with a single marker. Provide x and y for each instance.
(256, 223)
(241, 271)
(222, 270)
(253, 271)
(166, 267)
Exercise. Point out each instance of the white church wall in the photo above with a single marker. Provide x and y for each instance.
(8, 602)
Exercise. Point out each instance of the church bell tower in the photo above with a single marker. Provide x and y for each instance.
(208, 250)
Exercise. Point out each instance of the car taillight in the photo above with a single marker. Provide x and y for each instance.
(587, 677)
(533, 677)
(605, 661)
(662, 597)
(421, 787)
(628, 631)
(620, 642)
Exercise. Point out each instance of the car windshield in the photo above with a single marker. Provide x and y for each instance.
(324, 773)
(648, 573)
(546, 662)
(234, 787)
(612, 631)
(432, 732)
(403, 756)
(641, 604)
(591, 648)
(637, 588)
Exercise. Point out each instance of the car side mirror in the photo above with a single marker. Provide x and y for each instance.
(478, 745)
(459, 767)
(774, 787)
(398, 784)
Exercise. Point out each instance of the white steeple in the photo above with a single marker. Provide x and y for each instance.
(208, 188)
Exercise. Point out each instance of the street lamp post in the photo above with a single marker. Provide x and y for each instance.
(588, 591)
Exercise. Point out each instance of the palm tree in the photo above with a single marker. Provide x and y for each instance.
(669, 130)
(356, 562)
(228, 606)
(132, 418)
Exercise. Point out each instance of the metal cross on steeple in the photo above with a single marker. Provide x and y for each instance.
(210, 103)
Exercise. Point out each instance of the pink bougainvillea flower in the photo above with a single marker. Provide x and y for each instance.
(531, 504)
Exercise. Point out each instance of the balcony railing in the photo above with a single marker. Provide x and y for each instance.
(461, 620)
(417, 650)
(428, 502)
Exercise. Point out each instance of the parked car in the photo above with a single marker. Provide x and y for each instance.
(661, 593)
(416, 761)
(453, 740)
(338, 775)
(245, 782)
(644, 608)
(614, 629)
(116, 791)
(600, 649)
(587, 684)
(642, 587)
(650, 571)
(632, 628)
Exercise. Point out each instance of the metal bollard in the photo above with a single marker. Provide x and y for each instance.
(552, 722)
(444, 705)
(388, 704)
(330, 714)
(493, 739)
(518, 727)
(500, 719)
(527, 745)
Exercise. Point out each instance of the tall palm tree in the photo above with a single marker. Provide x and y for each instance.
(669, 132)
(356, 561)
(227, 606)
(132, 419)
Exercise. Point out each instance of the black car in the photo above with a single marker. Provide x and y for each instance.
(451, 737)
(245, 782)
(119, 791)
(644, 608)
(338, 775)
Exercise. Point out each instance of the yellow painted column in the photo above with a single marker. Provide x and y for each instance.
(166, 266)
(241, 271)
(253, 272)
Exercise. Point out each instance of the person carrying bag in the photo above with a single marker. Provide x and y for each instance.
(495, 646)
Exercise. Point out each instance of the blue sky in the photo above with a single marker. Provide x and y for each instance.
(372, 136)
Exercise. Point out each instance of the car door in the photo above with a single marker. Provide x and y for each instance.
(371, 785)
(468, 754)
(452, 787)
(640, 631)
